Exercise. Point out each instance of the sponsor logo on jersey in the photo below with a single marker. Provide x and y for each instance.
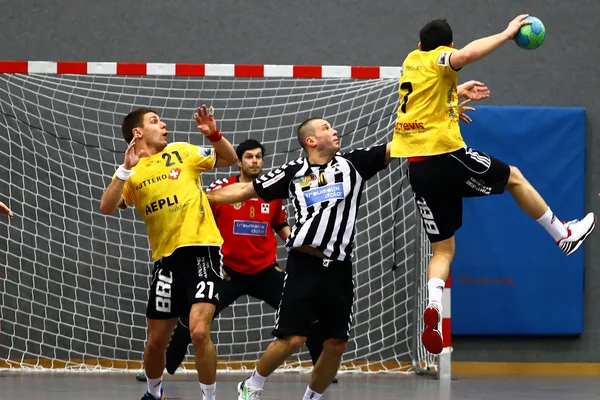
(325, 193)
(264, 208)
(415, 67)
(160, 203)
(174, 174)
(322, 178)
(305, 181)
(409, 126)
(273, 180)
(250, 228)
(151, 181)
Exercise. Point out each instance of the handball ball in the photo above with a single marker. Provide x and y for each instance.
(531, 36)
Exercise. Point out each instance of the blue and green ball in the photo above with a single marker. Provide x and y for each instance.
(531, 36)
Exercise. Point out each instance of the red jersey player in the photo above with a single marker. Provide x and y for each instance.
(247, 228)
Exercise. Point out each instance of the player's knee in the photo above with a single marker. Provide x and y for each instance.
(297, 341)
(156, 344)
(294, 342)
(200, 335)
(515, 179)
(335, 348)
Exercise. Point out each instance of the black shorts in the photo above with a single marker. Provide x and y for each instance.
(190, 275)
(315, 289)
(441, 182)
(264, 285)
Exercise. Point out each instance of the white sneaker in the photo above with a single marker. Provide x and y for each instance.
(578, 231)
(247, 393)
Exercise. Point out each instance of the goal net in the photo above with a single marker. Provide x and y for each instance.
(74, 282)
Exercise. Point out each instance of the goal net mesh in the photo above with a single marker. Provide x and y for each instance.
(74, 282)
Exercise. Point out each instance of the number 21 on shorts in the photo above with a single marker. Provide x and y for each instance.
(202, 285)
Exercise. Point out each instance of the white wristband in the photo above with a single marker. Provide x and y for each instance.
(123, 174)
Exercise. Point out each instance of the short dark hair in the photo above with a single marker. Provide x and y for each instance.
(304, 130)
(248, 145)
(134, 119)
(435, 34)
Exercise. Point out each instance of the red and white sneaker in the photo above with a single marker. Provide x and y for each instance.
(431, 336)
(578, 231)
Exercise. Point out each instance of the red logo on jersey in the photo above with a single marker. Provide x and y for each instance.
(174, 173)
(409, 126)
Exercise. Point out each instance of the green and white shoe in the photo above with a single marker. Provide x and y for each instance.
(247, 393)
(141, 376)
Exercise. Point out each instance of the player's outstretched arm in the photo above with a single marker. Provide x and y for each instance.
(207, 125)
(480, 48)
(5, 210)
(234, 193)
(113, 194)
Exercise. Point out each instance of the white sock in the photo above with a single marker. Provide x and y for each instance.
(256, 381)
(311, 394)
(209, 391)
(435, 287)
(154, 386)
(553, 225)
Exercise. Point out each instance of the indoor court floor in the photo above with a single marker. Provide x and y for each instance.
(288, 386)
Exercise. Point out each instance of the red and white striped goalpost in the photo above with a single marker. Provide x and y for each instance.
(177, 69)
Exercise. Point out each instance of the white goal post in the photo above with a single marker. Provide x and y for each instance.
(74, 282)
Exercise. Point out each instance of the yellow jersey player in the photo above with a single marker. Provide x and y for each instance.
(162, 181)
(443, 169)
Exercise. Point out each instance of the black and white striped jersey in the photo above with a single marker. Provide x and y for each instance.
(325, 197)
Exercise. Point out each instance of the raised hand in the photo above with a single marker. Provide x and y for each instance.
(5, 210)
(205, 120)
(516, 24)
(462, 108)
(131, 159)
(474, 90)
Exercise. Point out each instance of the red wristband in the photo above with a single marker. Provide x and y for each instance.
(215, 137)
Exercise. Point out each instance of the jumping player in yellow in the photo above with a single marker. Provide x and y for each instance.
(162, 181)
(443, 170)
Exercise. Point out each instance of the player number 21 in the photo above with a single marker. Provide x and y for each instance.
(167, 156)
(202, 287)
(409, 88)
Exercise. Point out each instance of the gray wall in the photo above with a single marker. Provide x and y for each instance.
(561, 73)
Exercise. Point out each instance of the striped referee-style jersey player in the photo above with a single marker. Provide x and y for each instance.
(325, 189)
(325, 197)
